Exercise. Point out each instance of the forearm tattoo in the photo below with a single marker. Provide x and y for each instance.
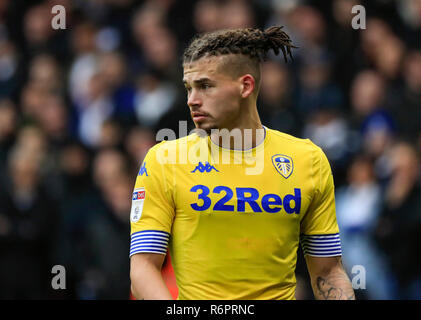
(334, 288)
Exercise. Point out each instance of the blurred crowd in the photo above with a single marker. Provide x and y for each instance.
(80, 107)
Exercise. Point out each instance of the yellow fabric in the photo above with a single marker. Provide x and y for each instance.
(236, 252)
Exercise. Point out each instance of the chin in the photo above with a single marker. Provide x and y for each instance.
(206, 127)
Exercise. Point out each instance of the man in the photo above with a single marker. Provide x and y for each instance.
(232, 204)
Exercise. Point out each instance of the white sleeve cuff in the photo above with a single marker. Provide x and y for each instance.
(324, 245)
(152, 241)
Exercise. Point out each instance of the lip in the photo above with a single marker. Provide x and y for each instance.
(198, 116)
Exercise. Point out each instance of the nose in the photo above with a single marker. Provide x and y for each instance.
(194, 99)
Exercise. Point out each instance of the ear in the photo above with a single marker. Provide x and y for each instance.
(247, 85)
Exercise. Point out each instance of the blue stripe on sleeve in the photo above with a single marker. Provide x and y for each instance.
(151, 241)
(328, 245)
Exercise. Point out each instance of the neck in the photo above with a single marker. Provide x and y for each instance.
(245, 133)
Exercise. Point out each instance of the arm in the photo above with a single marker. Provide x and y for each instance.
(329, 279)
(146, 279)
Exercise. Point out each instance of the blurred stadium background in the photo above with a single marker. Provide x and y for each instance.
(80, 107)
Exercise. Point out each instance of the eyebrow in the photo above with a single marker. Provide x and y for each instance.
(199, 81)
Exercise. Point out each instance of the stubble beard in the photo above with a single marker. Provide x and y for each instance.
(205, 132)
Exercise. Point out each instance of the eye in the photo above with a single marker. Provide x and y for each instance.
(206, 86)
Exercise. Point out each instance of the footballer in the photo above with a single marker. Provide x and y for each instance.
(233, 201)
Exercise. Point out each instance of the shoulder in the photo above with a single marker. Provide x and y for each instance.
(292, 142)
(167, 151)
(175, 144)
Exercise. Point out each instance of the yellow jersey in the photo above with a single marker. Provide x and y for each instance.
(233, 219)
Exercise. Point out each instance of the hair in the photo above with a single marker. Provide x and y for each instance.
(248, 47)
(253, 43)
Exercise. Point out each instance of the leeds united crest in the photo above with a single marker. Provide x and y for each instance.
(283, 164)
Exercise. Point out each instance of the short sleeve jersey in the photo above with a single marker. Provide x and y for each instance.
(232, 219)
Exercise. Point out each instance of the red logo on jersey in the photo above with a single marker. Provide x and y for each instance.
(138, 195)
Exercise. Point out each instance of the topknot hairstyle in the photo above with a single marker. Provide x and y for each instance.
(250, 42)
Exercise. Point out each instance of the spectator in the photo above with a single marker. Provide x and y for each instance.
(107, 276)
(155, 97)
(357, 224)
(28, 222)
(372, 118)
(8, 128)
(113, 69)
(207, 15)
(407, 110)
(275, 106)
(95, 112)
(315, 90)
(10, 76)
(401, 220)
(139, 140)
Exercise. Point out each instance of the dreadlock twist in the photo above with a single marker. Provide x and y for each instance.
(251, 42)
